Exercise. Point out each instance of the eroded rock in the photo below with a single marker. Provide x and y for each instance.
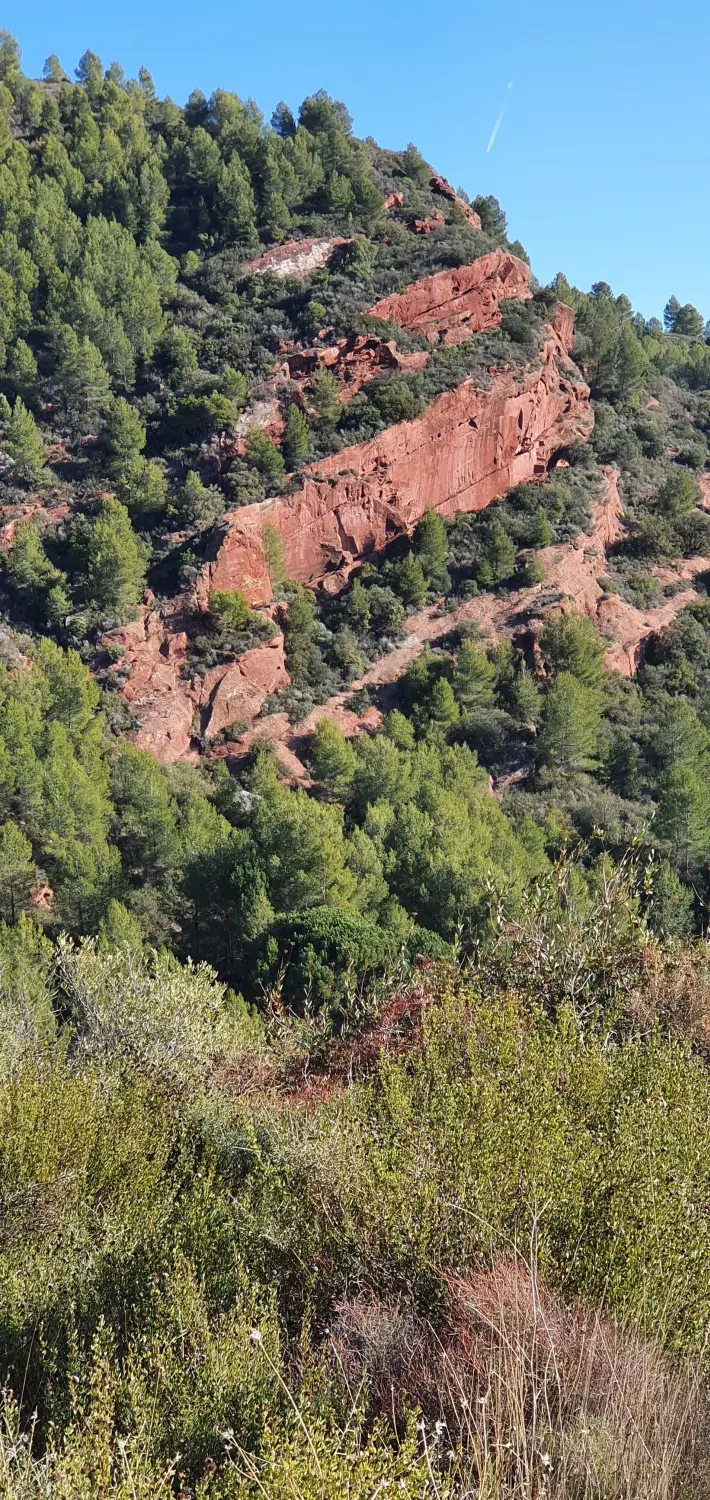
(296, 257)
(448, 307)
(467, 448)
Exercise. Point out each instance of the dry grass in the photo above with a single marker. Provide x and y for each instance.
(674, 989)
(542, 1400)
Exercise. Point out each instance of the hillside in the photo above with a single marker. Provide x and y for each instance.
(354, 826)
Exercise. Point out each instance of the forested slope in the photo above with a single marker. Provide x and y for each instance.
(354, 1085)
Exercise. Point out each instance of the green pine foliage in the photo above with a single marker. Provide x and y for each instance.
(296, 439)
(23, 444)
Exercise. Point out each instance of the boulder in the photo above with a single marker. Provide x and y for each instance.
(440, 185)
(235, 694)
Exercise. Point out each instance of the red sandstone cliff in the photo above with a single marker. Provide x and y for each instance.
(168, 704)
(467, 448)
(572, 572)
(447, 308)
(450, 306)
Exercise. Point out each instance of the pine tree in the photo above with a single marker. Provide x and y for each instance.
(325, 396)
(23, 443)
(144, 486)
(53, 71)
(410, 582)
(26, 561)
(526, 699)
(346, 654)
(275, 555)
(126, 436)
(235, 207)
(112, 560)
(22, 369)
(83, 379)
(541, 529)
(229, 609)
(631, 364)
(332, 758)
(474, 677)
(670, 313)
(299, 632)
(200, 505)
(443, 710)
(571, 643)
(678, 495)
(684, 815)
(17, 871)
(296, 439)
(265, 457)
(432, 548)
(357, 608)
(681, 737)
(498, 554)
(570, 725)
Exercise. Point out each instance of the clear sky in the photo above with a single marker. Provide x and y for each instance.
(601, 159)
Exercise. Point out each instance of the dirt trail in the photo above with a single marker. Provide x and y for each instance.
(571, 572)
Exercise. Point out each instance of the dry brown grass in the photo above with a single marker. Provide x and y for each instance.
(674, 989)
(544, 1400)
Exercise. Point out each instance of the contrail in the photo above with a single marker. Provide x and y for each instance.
(496, 127)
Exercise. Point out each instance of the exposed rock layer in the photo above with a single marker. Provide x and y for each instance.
(468, 447)
(572, 572)
(171, 707)
(356, 360)
(295, 257)
(450, 306)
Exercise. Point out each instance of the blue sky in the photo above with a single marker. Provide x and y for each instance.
(601, 160)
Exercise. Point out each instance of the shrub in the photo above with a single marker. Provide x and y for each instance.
(229, 609)
(327, 952)
(138, 1010)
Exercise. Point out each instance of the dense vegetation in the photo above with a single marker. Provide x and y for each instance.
(243, 1253)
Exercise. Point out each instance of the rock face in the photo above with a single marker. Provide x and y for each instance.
(296, 257)
(440, 185)
(11, 515)
(572, 572)
(356, 360)
(468, 447)
(450, 306)
(170, 707)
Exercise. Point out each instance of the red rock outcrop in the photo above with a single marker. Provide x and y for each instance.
(166, 703)
(450, 306)
(235, 693)
(468, 447)
(356, 360)
(440, 185)
(11, 515)
(296, 257)
(447, 308)
(428, 225)
(572, 572)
